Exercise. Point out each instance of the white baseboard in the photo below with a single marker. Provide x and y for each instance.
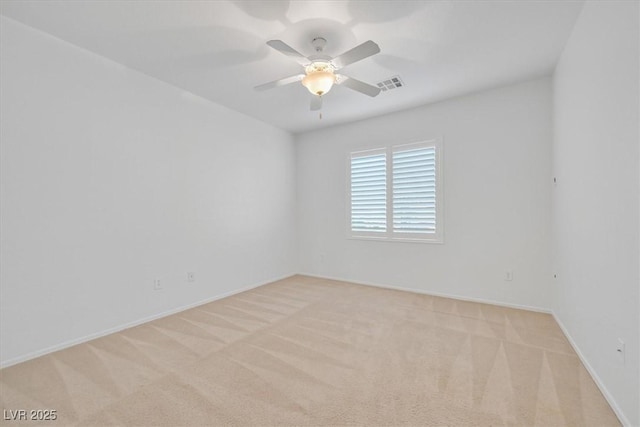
(436, 294)
(76, 341)
(605, 392)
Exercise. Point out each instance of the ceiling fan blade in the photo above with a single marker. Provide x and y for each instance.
(358, 53)
(281, 82)
(285, 49)
(359, 86)
(316, 103)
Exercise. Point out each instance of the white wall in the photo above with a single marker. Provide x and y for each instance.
(497, 163)
(595, 204)
(109, 179)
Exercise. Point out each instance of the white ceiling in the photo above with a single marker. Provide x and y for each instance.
(217, 50)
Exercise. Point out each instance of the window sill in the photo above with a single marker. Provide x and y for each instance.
(437, 241)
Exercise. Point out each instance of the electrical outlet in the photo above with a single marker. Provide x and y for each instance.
(157, 284)
(620, 350)
(508, 275)
(191, 276)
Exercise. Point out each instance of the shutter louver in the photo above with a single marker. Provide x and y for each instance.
(414, 190)
(369, 193)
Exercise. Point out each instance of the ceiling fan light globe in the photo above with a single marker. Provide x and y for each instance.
(319, 82)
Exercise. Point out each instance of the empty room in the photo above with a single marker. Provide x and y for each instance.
(320, 213)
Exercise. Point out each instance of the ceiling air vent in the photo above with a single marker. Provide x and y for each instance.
(390, 83)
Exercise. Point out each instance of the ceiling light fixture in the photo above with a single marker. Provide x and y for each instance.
(319, 77)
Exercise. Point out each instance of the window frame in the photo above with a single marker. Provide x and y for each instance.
(390, 235)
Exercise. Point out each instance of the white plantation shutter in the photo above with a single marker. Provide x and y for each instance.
(414, 190)
(369, 191)
(395, 193)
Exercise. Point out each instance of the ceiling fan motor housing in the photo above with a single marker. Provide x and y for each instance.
(319, 43)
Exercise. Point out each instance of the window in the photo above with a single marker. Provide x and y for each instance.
(395, 193)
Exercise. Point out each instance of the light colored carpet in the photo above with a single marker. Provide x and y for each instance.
(307, 351)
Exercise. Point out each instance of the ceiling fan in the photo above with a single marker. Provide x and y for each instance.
(320, 76)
